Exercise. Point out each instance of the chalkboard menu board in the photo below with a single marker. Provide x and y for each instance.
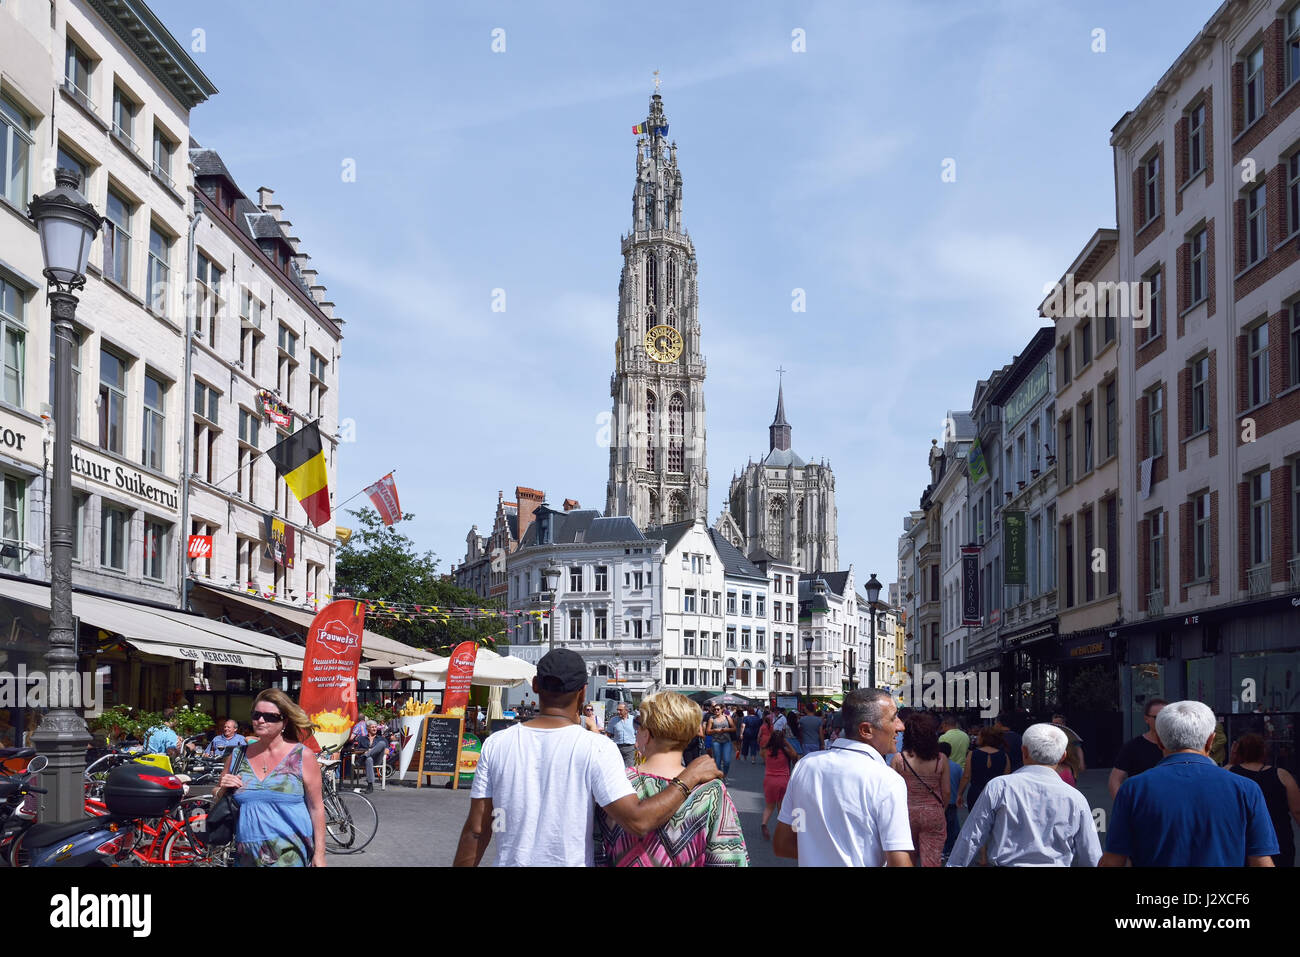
(499, 724)
(440, 747)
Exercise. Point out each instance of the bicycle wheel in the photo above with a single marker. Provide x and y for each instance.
(351, 822)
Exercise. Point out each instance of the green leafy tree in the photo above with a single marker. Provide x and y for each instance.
(379, 562)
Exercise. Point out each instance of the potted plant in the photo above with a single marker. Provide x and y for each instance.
(192, 720)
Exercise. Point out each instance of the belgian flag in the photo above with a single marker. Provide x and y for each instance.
(300, 461)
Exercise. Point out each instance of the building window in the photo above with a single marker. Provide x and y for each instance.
(1292, 46)
(1087, 438)
(600, 624)
(163, 148)
(159, 270)
(78, 525)
(1067, 538)
(1293, 192)
(13, 534)
(208, 306)
(745, 639)
(602, 578)
(1156, 553)
(1260, 542)
(1257, 365)
(731, 637)
(731, 603)
(688, 676)
(117, 240)
(1253, 92)
(717, 604)
(1195, 140)
(155, 550)
(650, 437)
(114, 537)
(1256, 225)
(76, 74)
(124, 110)
(1199, 284)
(676, 432)
(15, 153)
(153, 451)
(670, 676)
(651, 263)
(1084, 332)
(1067, 362)
(760, 606)
(1295, 343)
(789, 584)
(760, 639)
(776, 525)
(1200, 394)
(1156, 422)
(112, 402)
(575, 626)
(13, 343)
(1111, 392)
(1067, 449)
(688, 600)
(316, 384)
(746, 603)
(688, 644)
(206, 399)
(1201, 536)
(1112, 545)
(575, 579)
(1089, 545)
(1153, 284)
(288, 343)
(1151, 186)
(65, 160)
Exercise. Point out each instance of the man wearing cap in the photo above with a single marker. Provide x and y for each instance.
(537, 783)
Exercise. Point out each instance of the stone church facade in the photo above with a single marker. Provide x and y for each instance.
(782, 506)
(657, 466)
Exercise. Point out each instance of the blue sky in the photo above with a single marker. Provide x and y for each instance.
(816, 170)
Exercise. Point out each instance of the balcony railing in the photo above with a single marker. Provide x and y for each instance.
(1257, 581)
(1155, 604)
(1293, 570)
(80, 95)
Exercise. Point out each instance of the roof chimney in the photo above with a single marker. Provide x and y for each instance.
(318, 293)
(570, 504)
(264, 194)
(327, 307)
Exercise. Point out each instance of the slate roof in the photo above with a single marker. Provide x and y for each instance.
(587, 525)
(780, 458)
(672, 534)
(733, 562)
(761, 554)
(964, 425)
(208, 163)
(835, 581)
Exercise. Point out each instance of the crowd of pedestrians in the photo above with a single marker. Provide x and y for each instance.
(864, 785)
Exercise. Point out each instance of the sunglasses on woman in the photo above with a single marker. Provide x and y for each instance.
(268, 716)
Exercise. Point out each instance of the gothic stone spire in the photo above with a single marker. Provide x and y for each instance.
(779, 430)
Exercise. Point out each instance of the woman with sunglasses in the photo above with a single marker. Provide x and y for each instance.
(278, 789)
(588, 719)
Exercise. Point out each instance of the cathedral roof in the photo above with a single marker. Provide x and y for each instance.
(733, 562)
(781, 458)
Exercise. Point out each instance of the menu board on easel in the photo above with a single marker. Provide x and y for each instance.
(440, 749)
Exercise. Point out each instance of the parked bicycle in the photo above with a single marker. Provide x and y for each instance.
(351, 821)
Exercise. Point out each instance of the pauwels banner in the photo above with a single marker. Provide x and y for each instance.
(329, 671)
(460, 671)
(970, 585)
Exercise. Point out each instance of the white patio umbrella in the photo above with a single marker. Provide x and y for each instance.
(490, 670)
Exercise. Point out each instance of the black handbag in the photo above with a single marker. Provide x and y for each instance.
(223, 818)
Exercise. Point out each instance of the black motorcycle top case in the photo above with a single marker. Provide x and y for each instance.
(140, 790)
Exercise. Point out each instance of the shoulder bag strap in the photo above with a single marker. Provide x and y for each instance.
(921, 779)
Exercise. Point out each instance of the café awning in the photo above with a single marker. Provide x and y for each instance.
(150, 630)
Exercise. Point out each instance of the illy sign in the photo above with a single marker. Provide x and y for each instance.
(200, 546)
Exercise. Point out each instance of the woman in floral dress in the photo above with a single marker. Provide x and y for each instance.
(278, 789)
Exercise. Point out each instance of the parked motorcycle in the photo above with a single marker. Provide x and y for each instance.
(19, 802)
(131, 792)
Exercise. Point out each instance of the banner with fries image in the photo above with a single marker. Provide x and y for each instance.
(413, 715)
(329, 672)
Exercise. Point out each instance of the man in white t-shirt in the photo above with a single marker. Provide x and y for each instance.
(537, 784)
(845, 806)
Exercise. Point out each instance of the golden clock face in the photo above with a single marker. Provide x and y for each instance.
(663, 344)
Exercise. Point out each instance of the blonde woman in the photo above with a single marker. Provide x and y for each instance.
(705, 831)
(278, 789)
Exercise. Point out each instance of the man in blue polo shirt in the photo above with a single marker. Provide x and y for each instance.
(1187, 811)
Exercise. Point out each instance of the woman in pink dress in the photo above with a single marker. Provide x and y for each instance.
(778, 758)
(925, 770)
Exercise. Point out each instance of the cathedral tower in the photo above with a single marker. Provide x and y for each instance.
(657, 470)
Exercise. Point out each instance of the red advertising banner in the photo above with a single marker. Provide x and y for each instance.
(329, 671)
(384, 495)
(460, 671)
(200, 546)
(275, 410)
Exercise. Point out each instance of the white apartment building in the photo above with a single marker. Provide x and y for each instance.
(265, 347)
(79, 89)
(783, 604)
(909, 586)
(888, 641)
(692, 581)
(1207, 190)
(828, 615)
(746, 630)
(950, 496)
(607, 606)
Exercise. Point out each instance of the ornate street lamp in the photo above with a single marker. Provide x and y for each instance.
(873, 599)
(551, 581)
(67, 225)
(807, 658)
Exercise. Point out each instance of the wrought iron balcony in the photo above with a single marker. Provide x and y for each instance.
(1258, 581)
(1155, 604)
